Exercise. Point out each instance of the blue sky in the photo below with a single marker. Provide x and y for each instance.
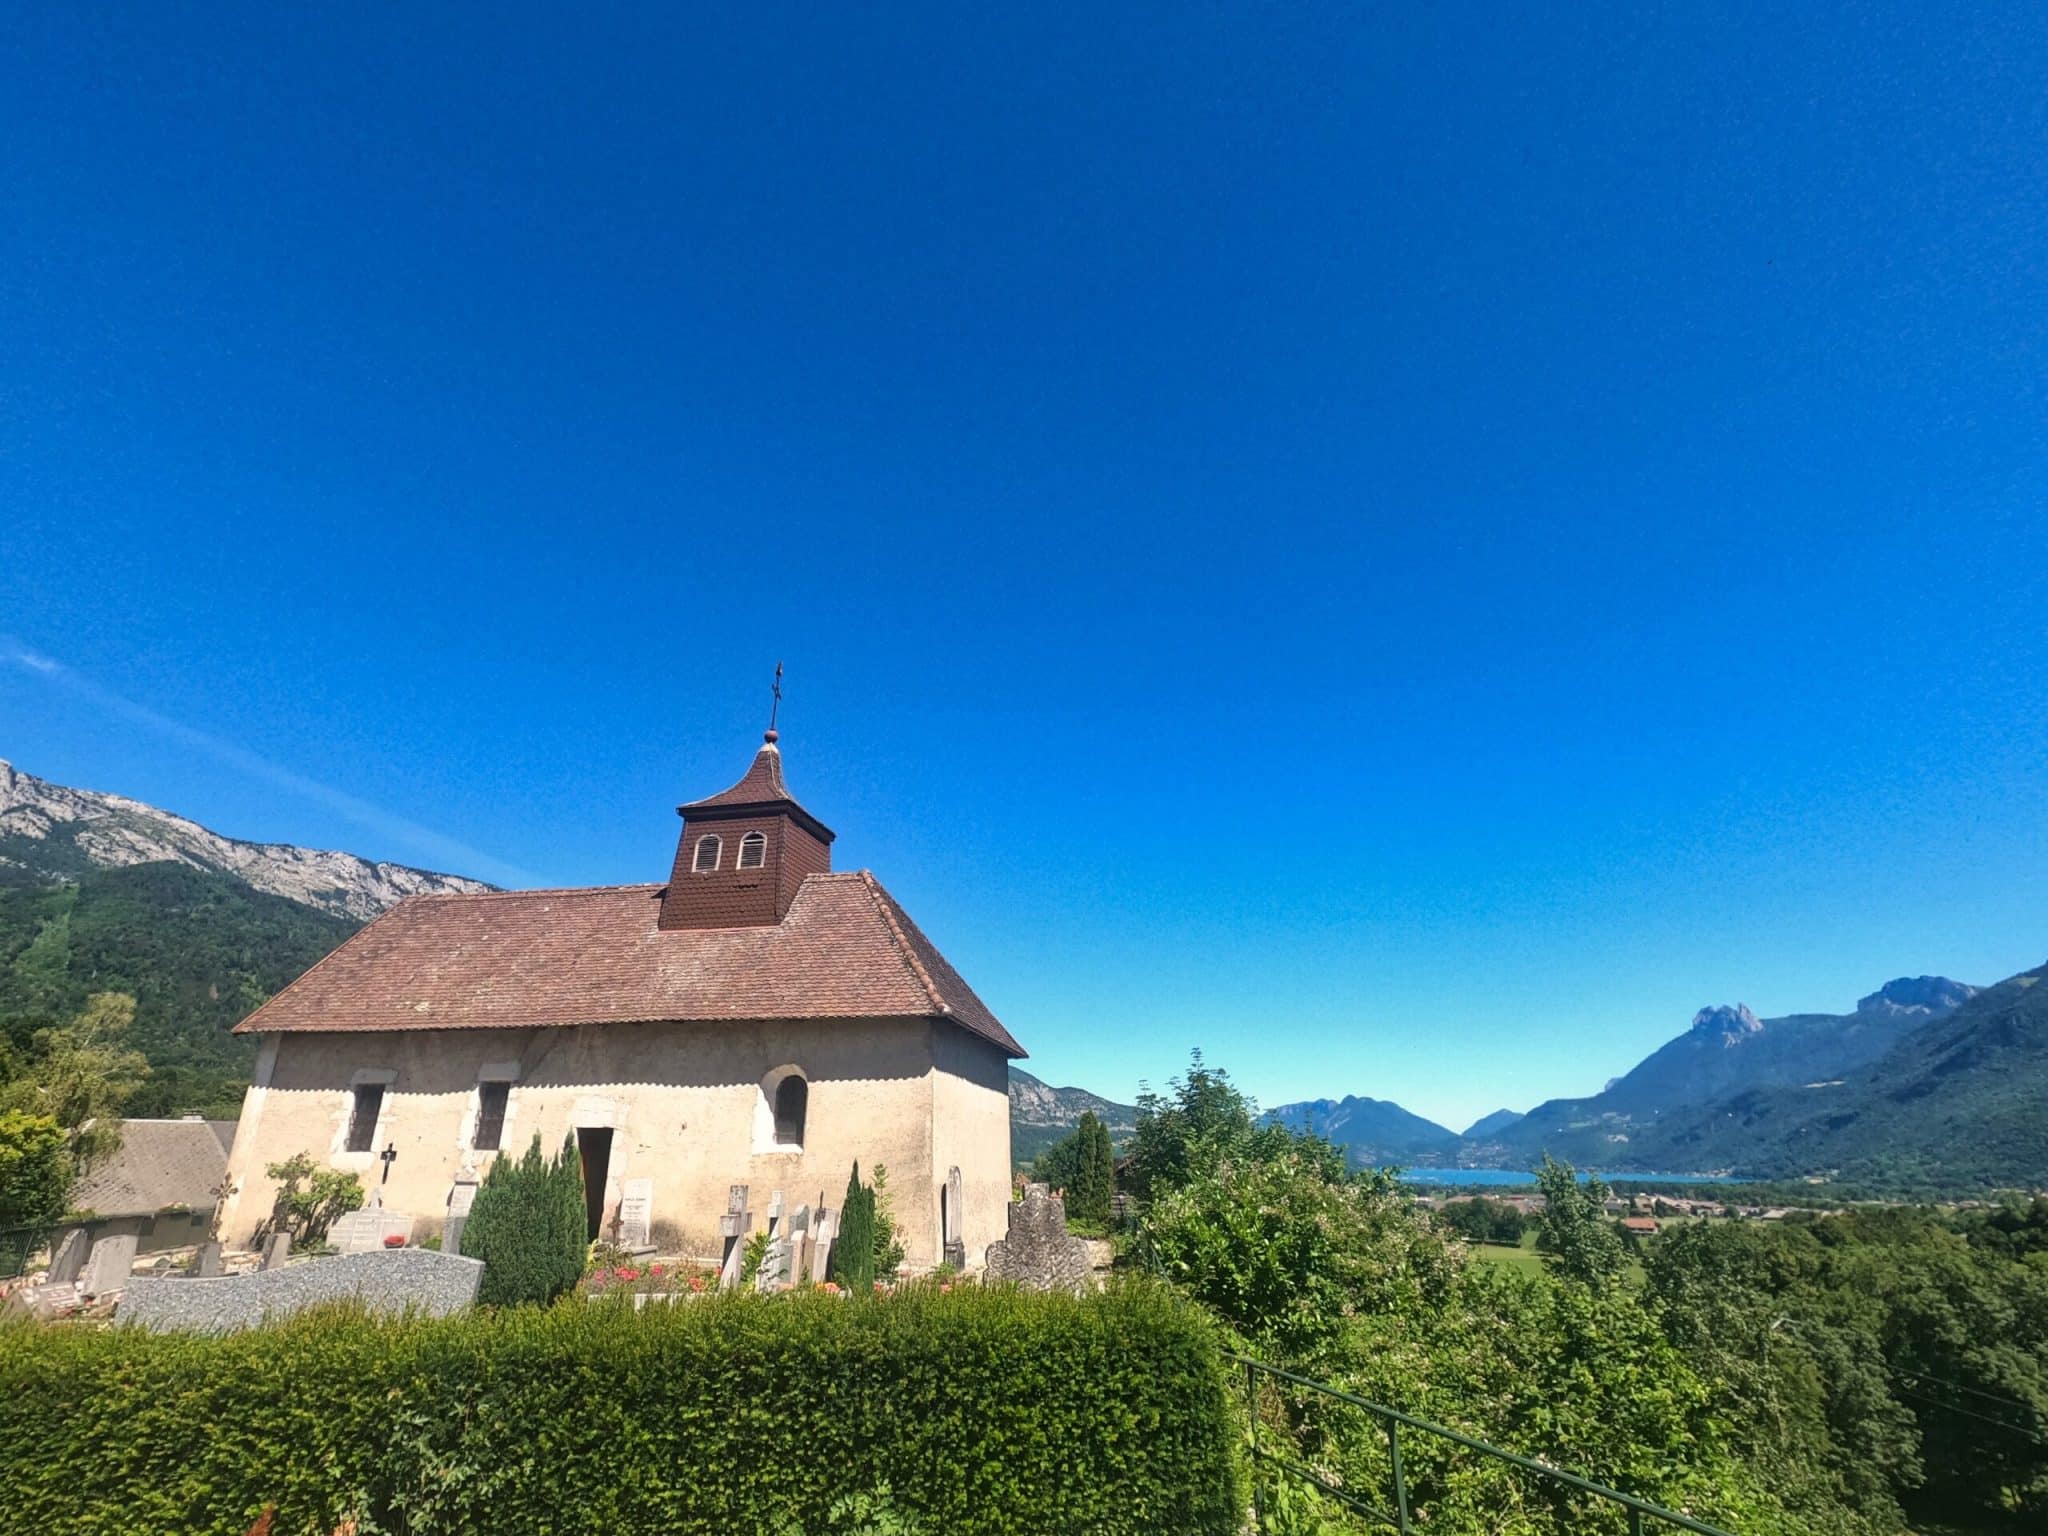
(1408, 547)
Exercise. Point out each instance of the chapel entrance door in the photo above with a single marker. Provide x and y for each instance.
(594, 1147)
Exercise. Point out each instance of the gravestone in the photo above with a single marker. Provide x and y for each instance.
(460, 1199)
(277, 1249)
(636, 1209)
(773, 1275)
(392, 1280)
(799, 1245)
(823, 1226)
(206, 1263)
(69, 1259)
(364, 1231)
(1038, 1254)
(733, 1227)
(952, 1249)
(109, 1265)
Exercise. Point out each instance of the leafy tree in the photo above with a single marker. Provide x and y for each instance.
(527, 1224)
(35, 1169)
(1094, 1183)
(1483, 1219)
(1059, 1165)
(309, 1198)
(853, 1249)
(1204, 1122)
(82, 1075)
(1576, 1235)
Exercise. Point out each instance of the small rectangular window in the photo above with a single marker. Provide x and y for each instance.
(362, 1118)
(490, 1115)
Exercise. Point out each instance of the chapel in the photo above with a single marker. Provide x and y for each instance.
(760, 1019)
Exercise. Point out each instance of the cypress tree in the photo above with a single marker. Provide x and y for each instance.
(521, 1227)
(853, 1249)
(1088, 1197)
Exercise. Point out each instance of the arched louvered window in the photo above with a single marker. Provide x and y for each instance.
(753, 851)
(706, 859)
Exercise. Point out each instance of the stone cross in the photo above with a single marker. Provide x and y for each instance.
(799, 1242)
(823, 1226)
(69, 1259)
(733, 1226)
(1039, 1254)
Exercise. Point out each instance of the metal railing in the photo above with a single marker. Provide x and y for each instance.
(1401, 1516)
(18, 1245)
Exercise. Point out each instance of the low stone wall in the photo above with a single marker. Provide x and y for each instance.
(394, 1280)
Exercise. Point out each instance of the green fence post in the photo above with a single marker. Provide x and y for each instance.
(1400, 1479)
(1635, 1521)
(1251, 1429)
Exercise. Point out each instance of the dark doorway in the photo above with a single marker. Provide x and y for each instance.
(594, 1146)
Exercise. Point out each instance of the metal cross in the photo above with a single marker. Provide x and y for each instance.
(775, 708)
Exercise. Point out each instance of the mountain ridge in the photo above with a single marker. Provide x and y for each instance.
(54, 832)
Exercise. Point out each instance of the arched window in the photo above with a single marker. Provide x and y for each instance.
(707, 856)
(753, 851)
(792, 1101)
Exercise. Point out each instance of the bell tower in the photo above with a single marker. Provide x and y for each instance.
(744, 851)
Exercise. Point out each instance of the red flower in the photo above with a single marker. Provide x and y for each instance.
(654, 1269)
(395, 1240)
(627, 1272)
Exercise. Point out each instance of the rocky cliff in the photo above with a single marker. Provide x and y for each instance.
(56, 833)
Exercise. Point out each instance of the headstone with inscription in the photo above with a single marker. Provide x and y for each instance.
(952, 1249)
(636, 1210)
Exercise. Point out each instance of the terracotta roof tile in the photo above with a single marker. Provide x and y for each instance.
(517, 959)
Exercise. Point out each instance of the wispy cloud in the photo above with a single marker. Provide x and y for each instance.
(424, 843)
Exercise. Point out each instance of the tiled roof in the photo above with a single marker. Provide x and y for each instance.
(159, 1163)
(517, 959)
(760, 786)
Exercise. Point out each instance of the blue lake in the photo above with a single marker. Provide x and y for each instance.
(1524, 1176)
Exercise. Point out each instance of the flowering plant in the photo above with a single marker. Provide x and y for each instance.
(395, 1240)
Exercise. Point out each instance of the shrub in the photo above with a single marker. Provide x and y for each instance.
(983, 1412)
(35, 1172)
(853, 1248)
(527, 1225)
(309, 1199)
(1094, 1186)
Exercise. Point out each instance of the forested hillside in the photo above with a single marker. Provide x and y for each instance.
(197, 951)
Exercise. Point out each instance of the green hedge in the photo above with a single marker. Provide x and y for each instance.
(979, 1411)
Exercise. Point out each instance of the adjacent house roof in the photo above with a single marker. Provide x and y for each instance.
(159, 1163)
(519, 959)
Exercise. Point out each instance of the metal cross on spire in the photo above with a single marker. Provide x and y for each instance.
(774, 708)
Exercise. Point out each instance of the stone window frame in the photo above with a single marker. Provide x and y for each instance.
(766, 1140)
(716, 845)
(364, 1077)
(507, 1073)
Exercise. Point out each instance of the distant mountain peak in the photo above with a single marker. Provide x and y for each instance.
(1489, 1125)
(1928, 995)
(56, 832)
(1729, 1024)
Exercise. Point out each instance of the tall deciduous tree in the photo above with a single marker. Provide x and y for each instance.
(1582, 1246)
(35, 1170)
(82, 1075)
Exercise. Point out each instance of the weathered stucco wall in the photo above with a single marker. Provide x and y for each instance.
(971, 1132)
(683, 1102)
